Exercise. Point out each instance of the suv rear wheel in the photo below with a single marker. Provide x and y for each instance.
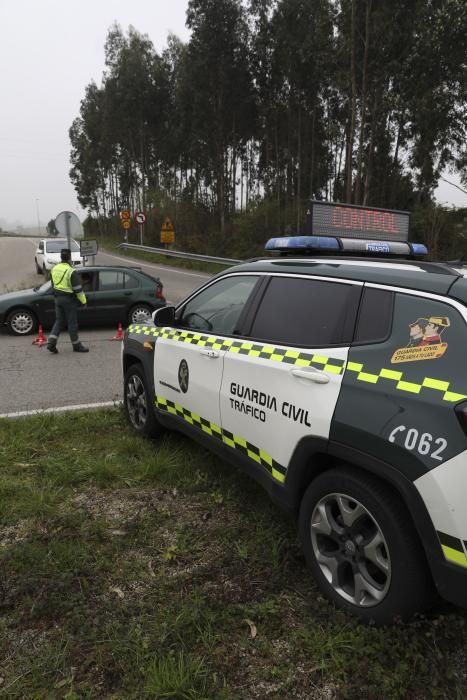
(360, 545)
(137, 402)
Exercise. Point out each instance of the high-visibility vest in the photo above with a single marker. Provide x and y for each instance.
(61, 281)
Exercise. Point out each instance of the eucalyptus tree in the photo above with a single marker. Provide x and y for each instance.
(219, 88)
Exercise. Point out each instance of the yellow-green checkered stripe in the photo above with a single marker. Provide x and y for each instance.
(233, 441)
(264, 351)
(357, 370)
(452, 549)
(400, 383)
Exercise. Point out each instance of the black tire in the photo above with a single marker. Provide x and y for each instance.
(21, 322)
(45, 272)
(139, 313)
(139, 403)
(38, 269)
(361, 547)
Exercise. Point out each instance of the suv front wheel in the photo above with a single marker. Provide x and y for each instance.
(138, 403)
(360, 545)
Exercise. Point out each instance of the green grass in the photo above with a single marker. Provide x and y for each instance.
(136, 569)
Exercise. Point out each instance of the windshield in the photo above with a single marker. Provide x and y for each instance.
(56, 246)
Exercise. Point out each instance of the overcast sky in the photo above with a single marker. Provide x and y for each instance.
(49, 51)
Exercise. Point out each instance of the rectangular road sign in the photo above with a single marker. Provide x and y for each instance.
(167, 236)
(88, 247)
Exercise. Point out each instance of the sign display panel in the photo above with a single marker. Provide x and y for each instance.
(351, 221)
(88, 247)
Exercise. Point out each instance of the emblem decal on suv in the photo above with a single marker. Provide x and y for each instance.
(425, 341)
(183, 376)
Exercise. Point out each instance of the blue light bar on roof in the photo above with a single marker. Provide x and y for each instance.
(301, 243)
(418, 249)
(349, 246)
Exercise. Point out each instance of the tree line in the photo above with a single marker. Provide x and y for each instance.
(269, 104)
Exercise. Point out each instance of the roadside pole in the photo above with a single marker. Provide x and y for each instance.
(140, 218)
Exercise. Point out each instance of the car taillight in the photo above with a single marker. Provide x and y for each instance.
(461, 412)
(159, 294)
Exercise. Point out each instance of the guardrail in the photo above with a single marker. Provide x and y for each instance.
(180, 254)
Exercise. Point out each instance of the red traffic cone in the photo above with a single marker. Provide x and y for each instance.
(41, 339)
(119, 334)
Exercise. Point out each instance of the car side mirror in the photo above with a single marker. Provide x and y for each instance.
(164, 316)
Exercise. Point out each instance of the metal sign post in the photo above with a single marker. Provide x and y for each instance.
(140, 218)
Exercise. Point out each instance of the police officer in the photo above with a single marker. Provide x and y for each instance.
(68, 292)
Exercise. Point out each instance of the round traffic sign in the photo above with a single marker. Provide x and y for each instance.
(125, 214)
(126, 223)
(140, 217)
(67, 224)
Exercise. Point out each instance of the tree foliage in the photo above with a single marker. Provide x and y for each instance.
(272, 102)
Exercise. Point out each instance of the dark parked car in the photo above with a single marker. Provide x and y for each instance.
(114, 294)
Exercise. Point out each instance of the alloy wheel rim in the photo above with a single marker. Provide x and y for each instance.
(351, 550)
(22, 323)
(140, 315)
(136, 401)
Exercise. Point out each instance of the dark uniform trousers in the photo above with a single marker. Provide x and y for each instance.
(65, 315)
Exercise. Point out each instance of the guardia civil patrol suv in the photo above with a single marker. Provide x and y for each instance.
(339, 383)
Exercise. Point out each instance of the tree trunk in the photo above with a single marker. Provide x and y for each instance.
(353, 104)
(358, 181)
(299, 166)
(371, 148)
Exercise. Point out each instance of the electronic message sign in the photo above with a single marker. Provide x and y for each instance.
(352, 221)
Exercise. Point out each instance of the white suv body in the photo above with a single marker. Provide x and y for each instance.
(48, 253)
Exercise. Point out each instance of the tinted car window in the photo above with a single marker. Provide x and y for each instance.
(305, 312)
(375, 316)
(130, 282)
(217, 309)
(57, 246)
(109, 280)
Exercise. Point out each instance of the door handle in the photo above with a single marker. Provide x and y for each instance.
(213, 354)
(128, 294)
(312, 374)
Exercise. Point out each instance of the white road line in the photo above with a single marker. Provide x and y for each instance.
(144, 263)
(62, 409)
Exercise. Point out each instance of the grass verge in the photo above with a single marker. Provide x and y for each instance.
(137, 569)
(110, 246)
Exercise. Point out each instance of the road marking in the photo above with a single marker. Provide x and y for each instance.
(142, 263)
(62, 409)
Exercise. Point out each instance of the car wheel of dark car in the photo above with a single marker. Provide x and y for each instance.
(140, 313)
(21, 322)
(361, 547)
(137, 403)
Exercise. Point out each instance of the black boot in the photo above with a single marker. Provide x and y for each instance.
(80, 348)
(52, 348)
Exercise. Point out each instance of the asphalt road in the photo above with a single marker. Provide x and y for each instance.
(30, 377)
